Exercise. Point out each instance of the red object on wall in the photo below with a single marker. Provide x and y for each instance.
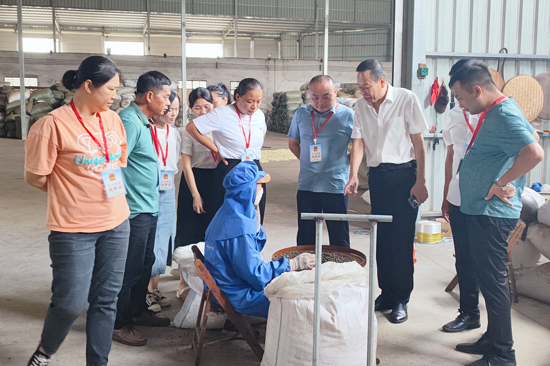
(435, 91)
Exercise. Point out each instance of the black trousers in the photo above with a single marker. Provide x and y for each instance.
(467, 283)
(490, 258)
(390, 187)
(317, 202)
(191, 226)
(221, 172)
(137, 273)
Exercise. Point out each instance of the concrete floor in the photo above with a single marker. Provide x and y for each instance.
(25, 272)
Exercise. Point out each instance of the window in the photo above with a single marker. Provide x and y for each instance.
(192, 84)
(124, 48)
(233, 85)
(42, 45)
(205, 50)
(29, 82)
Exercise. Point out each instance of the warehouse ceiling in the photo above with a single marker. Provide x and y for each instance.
(41, 18)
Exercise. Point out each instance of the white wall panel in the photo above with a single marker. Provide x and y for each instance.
(482, 27)
(81, 43)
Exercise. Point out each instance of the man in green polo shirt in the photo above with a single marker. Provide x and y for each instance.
(492, 175)
(142, 184)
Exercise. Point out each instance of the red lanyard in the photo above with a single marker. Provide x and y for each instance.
(481, 118)
(320, 127)
(105, 150)
(157, 142)
(467, 121)
(247, 142)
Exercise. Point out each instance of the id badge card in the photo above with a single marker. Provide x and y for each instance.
(315, 154)
(247, 157)
(113, 182)
(166, 180)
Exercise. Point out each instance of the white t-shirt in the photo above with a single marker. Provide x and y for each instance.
(458, 134)
(174, 141)
(201, 156)
(227, 131)
(387, 134)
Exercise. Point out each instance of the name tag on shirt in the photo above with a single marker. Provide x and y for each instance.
(315, 154)
(247, 157)
(166, 180)
(113, 183)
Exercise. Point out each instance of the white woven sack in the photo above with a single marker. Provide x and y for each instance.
(543, 215)
(539, 235)
(344, 317)
(524, 254)
(16, 95)
(536, 283)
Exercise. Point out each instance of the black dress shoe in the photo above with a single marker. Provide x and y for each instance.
(462, 322)
(399, 313)
(380, 304)
(480, 347)
(494, 360)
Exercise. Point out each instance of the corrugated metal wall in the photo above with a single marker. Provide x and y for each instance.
(456, 28)
(360, 11)
(347, 46)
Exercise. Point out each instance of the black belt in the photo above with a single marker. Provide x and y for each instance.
(387, 167)
(237, 161)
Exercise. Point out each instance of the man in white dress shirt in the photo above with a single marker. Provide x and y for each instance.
(388, 126)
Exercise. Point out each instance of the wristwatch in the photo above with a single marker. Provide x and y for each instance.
(504, 187)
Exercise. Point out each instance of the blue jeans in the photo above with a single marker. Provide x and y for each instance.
(137, 273)
(166, 230)
(87, 268)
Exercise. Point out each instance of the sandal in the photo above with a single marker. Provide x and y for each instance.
(182, 293)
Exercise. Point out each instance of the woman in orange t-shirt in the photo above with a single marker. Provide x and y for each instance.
(74, 154)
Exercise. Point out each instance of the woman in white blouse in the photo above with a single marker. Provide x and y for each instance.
(238, 132)
(196, 196)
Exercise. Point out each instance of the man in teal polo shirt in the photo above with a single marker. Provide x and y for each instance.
(142, 184)
(319, 136)
(492, 176)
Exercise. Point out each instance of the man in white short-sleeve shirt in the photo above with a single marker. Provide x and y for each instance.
(457, 134)
(388, 126)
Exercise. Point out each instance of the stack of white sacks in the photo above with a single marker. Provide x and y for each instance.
(531, 257)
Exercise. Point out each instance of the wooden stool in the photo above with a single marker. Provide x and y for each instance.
(236, 318)
(511, 275)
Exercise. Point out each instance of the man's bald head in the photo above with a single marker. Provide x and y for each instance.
(322, 79)
(322, 93)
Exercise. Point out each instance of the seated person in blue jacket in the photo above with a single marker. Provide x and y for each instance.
(235, 238)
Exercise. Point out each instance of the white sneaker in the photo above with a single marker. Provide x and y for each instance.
(152, 303)
(160, 298)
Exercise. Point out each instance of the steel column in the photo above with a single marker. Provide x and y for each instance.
(183, 62)
(325, 57)
(24, 126)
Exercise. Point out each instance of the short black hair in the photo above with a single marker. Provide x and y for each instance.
(374, 66)
(245, 85)
(458, 65)
(200, 93)
(471, 74)
(320, 79)
(151, 81)
(97, 69)
(221, 90)
(173, 96)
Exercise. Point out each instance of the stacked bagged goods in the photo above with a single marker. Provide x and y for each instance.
(284, 106)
